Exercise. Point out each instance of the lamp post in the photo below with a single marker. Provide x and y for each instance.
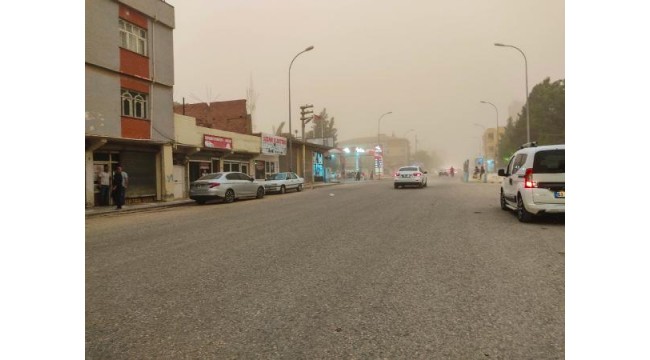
(484, 152)
(526, 67)
(496, 147)
(380, 170)
(290, 137)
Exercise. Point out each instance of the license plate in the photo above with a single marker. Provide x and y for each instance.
(406, 176)
(559, 194)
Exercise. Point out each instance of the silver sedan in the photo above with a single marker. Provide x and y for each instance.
(227, 186)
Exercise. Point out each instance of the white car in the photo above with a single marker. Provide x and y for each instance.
(533, 182)
(410, 175)
(284, 181)
(227, 186)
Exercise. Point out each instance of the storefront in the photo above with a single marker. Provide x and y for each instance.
(142, 163)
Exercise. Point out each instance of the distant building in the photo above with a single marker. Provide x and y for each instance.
(395, 153)
(489, 140)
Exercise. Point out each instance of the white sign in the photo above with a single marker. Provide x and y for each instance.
(274, 145)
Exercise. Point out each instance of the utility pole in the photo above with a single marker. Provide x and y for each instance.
(305, 117)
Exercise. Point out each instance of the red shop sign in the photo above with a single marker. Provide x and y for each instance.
(217, 142)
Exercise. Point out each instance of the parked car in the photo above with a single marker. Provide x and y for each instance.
(410, 175)
(284, 181)
(227, 186)
(443, 172)
(533, 182)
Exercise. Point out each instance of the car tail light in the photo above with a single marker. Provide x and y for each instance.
(214, 185)
(397, 174)
(417, 174)
(528, 179)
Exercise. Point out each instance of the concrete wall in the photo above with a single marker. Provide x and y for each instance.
(103, 106)
(189, 134)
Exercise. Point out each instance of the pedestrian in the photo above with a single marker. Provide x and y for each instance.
(120, 179)
(476, 172)
(451, 171)
(125, 184)
(104, 186)
(358, 175)
(466, 170)
(482, 172)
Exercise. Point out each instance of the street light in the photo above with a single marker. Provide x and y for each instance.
(379, 170)
(526, 67)
(496, 151)
(290, 137)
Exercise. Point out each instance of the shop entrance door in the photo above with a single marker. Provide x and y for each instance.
(179, 182)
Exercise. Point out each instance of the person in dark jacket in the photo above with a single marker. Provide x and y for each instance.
(118, 187)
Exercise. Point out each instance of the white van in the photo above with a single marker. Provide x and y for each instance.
(533, 182)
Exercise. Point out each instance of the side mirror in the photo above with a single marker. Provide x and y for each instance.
(502, 172)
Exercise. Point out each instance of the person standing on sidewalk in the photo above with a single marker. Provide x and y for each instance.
(482, 173)
(104, 186)
(125, 184)
(118, 187)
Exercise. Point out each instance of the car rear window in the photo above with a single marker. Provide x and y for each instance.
(549, 161)
(210, 176)
(409, 168)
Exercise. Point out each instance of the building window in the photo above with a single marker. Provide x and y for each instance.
(133, 38)
(134, 104)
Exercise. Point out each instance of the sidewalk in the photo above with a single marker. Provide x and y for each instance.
(105, 210)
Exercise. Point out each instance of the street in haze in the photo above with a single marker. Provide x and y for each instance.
(358, 270)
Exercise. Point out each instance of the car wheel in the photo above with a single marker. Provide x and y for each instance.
(426, 183)
(299, 189)
(260, 192)
(396, 187)
(283, 189)
(522, 214)
(503, 201)
(230, 196)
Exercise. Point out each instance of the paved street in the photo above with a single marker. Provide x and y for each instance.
(350, 271)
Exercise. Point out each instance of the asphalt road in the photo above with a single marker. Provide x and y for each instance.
(352, 271)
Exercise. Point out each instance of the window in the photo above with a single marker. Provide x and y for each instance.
(549, 161)
(270, 167)
(133, 38)
(519, 162)
(134, 104)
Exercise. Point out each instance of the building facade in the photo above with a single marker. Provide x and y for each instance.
(490, 146)
(129, 74)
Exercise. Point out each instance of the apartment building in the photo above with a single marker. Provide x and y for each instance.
(129, 74)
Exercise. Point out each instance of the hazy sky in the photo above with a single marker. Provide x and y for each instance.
(430, 62)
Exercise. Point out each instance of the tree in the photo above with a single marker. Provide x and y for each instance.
(427, 160)
(546, 102)
(322, 127)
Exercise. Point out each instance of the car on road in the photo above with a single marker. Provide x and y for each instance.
(533, 183)
(283, 182)
(410, 175)
(443, 172)
(227, 186)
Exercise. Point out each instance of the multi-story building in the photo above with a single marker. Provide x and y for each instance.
(129, 71)
(489, 142)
